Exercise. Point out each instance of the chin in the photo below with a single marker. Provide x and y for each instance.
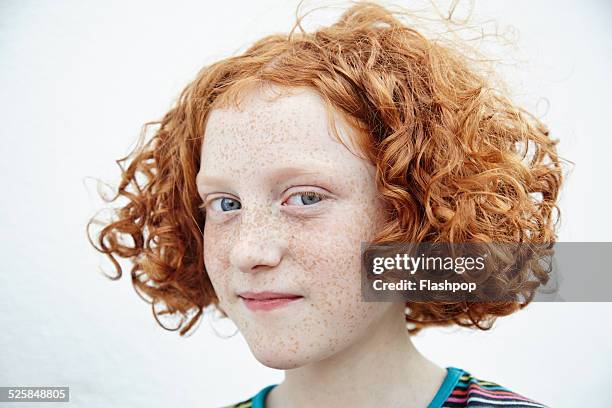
(280, 359)
(281, 354)
(286, 357)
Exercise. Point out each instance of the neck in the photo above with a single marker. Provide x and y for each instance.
(383, 368)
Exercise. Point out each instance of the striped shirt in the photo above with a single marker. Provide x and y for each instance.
(459, 390)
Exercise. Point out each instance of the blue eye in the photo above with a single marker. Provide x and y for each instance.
(226, 204)
(307, 197)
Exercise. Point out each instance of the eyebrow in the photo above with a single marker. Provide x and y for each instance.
(290, 171)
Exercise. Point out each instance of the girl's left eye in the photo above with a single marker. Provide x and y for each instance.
(305, 198)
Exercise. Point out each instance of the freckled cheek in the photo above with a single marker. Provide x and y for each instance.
(332, 278)
(329, 254)
(216, 259)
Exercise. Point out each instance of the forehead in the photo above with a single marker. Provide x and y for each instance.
(274, 126)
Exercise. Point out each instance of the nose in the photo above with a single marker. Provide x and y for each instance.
(260, 245)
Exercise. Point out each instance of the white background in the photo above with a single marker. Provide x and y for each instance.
(78, 79)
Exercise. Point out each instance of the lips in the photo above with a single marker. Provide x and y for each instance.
(264, 301)
(267, 295)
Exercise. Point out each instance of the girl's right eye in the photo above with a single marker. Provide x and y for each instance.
(224, 204)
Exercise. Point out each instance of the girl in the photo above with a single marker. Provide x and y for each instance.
(260, 184)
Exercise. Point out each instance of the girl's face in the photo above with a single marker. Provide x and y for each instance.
(287, 208)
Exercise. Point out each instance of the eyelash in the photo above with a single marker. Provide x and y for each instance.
(317, 194)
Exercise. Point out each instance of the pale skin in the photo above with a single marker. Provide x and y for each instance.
(266, 231)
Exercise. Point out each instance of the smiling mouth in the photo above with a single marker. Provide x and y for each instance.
(265, 301)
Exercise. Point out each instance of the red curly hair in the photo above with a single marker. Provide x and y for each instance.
(456, 160)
